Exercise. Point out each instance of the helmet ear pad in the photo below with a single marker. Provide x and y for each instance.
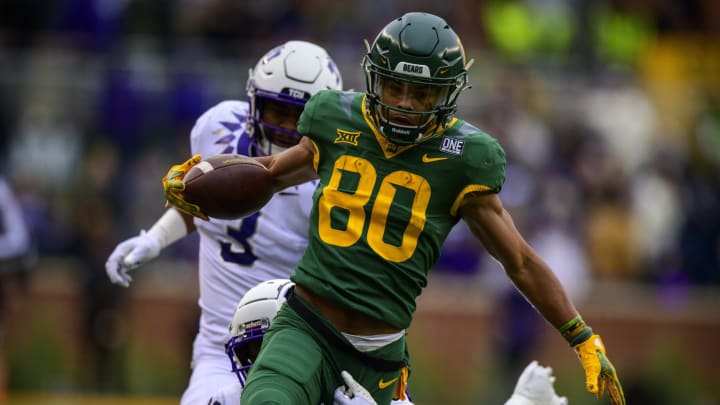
(420, 49)
(290, 73)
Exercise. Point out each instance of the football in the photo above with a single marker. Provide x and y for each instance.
(228, 186)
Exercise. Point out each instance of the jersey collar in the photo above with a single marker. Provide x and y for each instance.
(390, 149)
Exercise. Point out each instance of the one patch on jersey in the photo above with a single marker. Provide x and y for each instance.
(347, 137)
(452, 146)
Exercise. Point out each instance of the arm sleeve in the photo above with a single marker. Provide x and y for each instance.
(487, 167)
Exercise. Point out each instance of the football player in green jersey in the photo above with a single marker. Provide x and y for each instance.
(397, 170)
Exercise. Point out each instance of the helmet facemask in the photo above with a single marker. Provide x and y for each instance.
(243, 348)
(409, 111)
(251, 320)
(267, 109)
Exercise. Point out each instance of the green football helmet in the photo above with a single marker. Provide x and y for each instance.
(414, 72)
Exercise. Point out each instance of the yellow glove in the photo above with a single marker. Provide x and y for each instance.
(599, 372)
(174, 186)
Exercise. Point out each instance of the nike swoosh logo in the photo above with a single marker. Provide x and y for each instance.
(384, 384)
(428, 159)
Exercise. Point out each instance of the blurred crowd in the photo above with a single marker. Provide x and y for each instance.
(609, 112)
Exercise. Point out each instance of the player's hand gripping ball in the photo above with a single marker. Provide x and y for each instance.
(222, 186)
(173, 187)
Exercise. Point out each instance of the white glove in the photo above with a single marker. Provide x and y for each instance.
(352, 393)
(230, 394)
(535, 387)
(129, 255)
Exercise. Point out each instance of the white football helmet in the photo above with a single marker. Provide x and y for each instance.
(289, 74)
(251, 320)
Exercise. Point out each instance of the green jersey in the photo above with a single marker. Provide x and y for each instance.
(381, 211)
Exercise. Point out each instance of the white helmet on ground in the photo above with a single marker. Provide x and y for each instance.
(288, 74)
(251, 320)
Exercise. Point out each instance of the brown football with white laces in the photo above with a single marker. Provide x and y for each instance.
(228, 186)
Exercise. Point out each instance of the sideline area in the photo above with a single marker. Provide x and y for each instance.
(658, 335)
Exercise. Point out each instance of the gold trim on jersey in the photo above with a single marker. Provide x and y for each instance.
(316, 157)
(389, 149)
(468, 189)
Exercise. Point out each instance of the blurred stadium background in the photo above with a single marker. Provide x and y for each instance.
(609, 111)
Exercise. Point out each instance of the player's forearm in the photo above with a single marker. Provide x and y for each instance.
(291, 167)
(540, 286)
(494, 227)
